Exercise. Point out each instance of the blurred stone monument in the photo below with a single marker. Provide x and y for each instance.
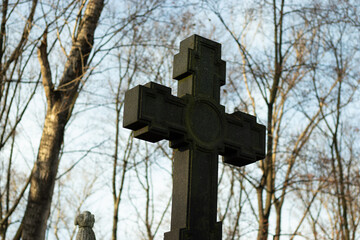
(85, 221)
(199, 130)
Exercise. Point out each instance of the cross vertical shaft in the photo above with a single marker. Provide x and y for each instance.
(194, 196)
(200, 73)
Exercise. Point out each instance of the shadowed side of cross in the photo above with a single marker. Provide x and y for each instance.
(199, 130)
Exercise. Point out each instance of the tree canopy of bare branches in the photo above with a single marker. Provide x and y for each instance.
(65, 66)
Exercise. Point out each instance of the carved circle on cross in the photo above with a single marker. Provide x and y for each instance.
(204, 122)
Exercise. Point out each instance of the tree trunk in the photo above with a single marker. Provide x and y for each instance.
(267, 182)
(278, 208)
(43, 179)
(59, 107)
(263, 228)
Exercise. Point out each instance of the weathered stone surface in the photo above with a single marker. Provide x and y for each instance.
(199, 130)
(85, 221)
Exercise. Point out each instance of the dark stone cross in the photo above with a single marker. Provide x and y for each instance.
(199, 130)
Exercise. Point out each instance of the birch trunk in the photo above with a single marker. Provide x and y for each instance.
(60, 102)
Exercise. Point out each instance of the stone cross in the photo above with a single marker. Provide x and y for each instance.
(199, 130)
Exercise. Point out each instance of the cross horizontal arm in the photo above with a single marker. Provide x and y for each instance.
(244, 141)
(153, 113)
